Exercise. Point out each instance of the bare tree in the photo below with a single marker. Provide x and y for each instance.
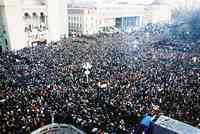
(186, 20)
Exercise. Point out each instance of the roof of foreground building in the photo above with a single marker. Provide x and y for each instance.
(58, 129)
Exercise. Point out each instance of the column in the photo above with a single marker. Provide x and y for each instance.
(141, 21)
(15, 24)
(57, 19)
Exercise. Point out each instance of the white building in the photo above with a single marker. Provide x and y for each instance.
(90, 20)
(82, 20)
(122, 16)
(158, 12)
(12, 23)
(25, 21)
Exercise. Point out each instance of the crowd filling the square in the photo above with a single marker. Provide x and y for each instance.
(129, 77)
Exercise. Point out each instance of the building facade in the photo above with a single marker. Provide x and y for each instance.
(124, 16)
(117, 16)
(158, 12)
(12, 24)
(23, 22)
(82, 20)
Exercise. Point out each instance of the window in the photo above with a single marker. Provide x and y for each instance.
(42, 17)
(26, 15)
(34, 14)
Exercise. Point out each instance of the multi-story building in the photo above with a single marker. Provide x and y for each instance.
(12, 29)
(82, 20)
(157, 12)
(121, 16)
(23, 22)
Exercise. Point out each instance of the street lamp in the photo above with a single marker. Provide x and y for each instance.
(87, 66)
(52, 117)
(135, 44)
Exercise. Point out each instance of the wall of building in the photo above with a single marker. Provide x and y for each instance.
(104, 22)
(34, 15)
(76, 20)
(82, 20)
(76, 23)
(1, 2)
(161, 14)
(31, 19)
(157, 14)
(27, 20)
(90, 21)
(120, 10)
(128, 23)
(57, 19)
(103, 17)
(33, 2)
(14, 24)
(35, 19)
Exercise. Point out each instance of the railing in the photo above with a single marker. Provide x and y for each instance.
(57, 129)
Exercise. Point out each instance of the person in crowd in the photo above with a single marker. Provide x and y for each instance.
(145, 124)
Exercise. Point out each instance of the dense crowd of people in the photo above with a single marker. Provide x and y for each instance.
(130, 76)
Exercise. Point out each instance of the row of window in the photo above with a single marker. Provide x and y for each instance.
(75, 18)
(75, 30)
(42, 19)
(34, 14)
(79, 18)
(75, 25)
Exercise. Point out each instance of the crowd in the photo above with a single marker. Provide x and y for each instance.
(129, 78)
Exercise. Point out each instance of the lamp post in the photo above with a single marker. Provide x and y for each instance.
(52, 116)
(87, 66)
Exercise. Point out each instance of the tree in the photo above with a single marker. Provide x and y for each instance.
(186, 24)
